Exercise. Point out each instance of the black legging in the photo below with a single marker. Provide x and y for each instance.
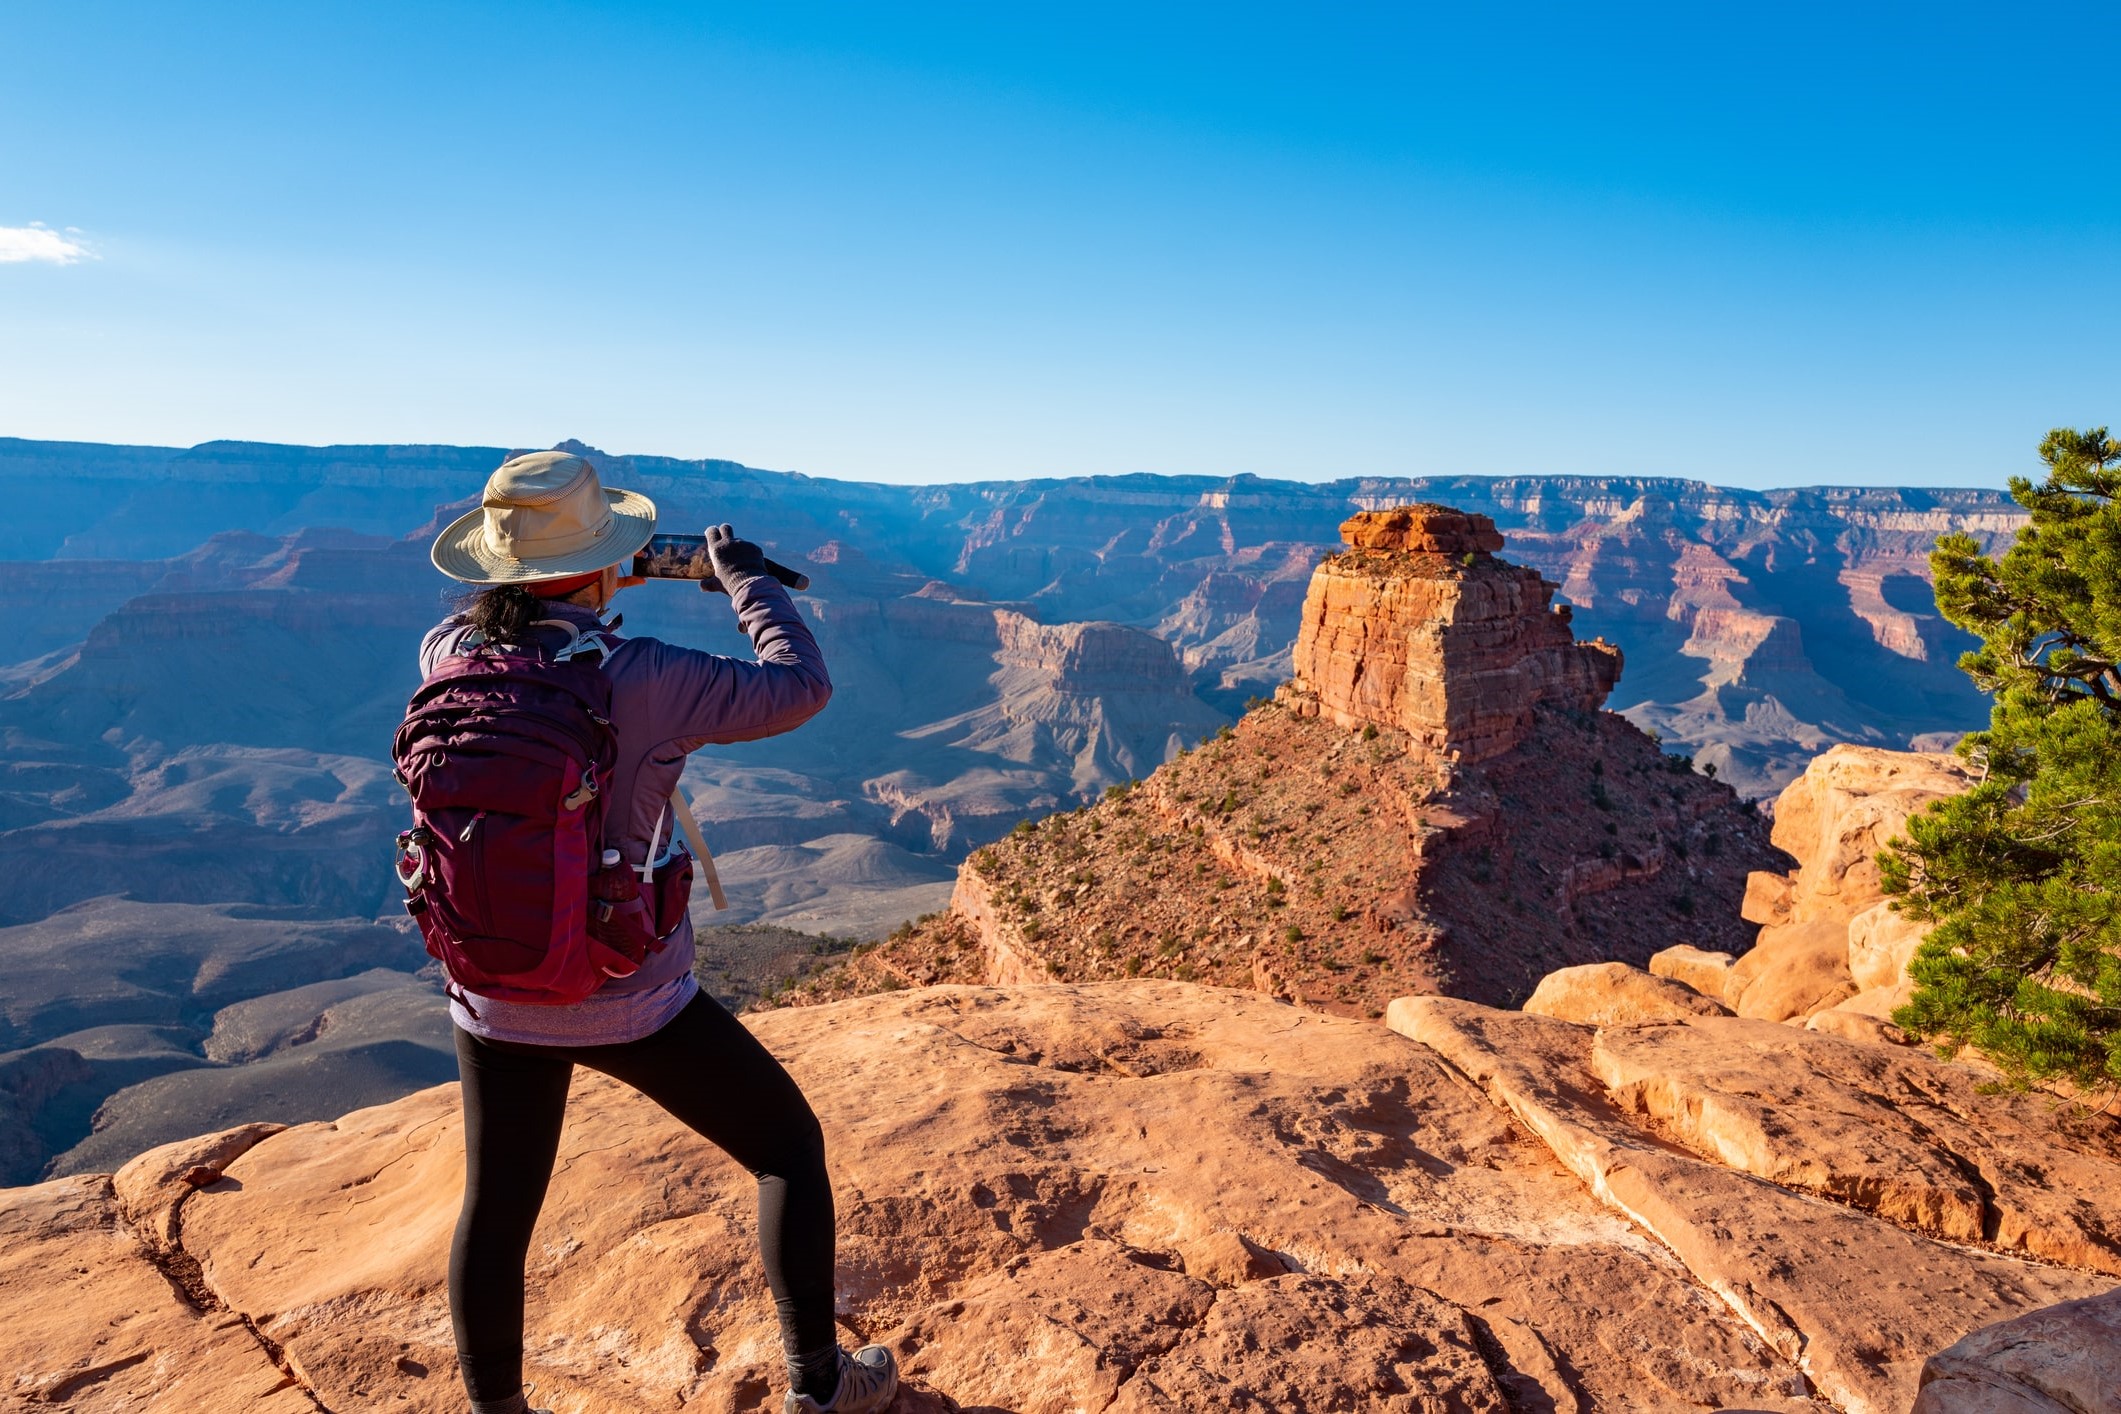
(709, 1072)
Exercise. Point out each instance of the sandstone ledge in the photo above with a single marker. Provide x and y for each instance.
(1180, 1197)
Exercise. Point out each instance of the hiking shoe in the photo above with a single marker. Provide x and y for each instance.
(868, 1380)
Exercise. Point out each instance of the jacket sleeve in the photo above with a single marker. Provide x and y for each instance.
(709, 697)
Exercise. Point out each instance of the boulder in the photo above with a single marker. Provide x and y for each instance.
(1614, 994)
(1708, 973)
(1794, 970)
(1852, 1025)
(1879, 1002)
(2064, 1359)
(1881, 943)
(1836, 817)
(1768, 898)
(1830, 940)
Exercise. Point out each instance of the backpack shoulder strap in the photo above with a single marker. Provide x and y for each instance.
(579, 641)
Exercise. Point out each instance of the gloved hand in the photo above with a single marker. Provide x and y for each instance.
(734, 560)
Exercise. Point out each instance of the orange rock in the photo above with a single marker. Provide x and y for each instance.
(1768, 898)
(1831, 940)
(1708, 973)
(1132, 1195)
(1419, 628)
(1853, 1025)
(1879, 1002)
(2065, 1359)
(1862, 1301)
(89, 1323)
(1228, 1259)
(1794, 970)
(153, 1186)
(1882, 941)
(1892, 1131)
(1431, 529)
(1837, 816)
(1615, 994)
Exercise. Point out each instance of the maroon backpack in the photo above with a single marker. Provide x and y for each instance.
(506, 750)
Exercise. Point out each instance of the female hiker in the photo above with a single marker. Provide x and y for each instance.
(525, 664)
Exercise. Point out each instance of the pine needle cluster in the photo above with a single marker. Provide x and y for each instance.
(2022, 874)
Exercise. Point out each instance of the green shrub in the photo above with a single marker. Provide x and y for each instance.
(2022, 874)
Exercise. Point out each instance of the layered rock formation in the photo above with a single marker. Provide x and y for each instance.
(1142, 1197)
(1764, 626)
(1421, 628)
(1434, 805)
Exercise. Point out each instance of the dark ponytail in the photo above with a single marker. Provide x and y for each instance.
(502, 613)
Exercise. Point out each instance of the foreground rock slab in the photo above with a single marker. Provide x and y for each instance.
(1888, 1130)
(1854, 1298)
(1138, 1197)
(89, 1320)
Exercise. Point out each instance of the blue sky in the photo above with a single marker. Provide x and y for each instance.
(1764, 245)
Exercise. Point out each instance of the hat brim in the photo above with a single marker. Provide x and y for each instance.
(462, 552)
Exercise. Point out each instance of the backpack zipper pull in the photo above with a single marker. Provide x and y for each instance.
(464, 836)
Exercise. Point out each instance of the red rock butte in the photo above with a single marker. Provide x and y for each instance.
(1417, 626)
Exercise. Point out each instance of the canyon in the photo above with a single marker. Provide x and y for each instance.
(1153, 1195)
(1425, 1036)
(1434, 803)
(211, 645)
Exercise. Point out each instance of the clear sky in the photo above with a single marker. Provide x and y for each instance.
(1764, 244)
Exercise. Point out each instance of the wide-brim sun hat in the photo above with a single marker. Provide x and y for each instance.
(545, 515)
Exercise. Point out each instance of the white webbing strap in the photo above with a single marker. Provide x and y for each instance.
(646, 869)
(698, 845)
(578, 642)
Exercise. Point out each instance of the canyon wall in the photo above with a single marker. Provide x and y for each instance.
(1434, 804)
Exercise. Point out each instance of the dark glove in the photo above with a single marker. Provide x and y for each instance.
(734, 560)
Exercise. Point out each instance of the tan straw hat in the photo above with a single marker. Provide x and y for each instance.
(544, 516)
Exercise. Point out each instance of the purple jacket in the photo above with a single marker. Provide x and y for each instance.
(665, 702)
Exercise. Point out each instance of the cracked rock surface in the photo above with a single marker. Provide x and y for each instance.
(1123, 1196)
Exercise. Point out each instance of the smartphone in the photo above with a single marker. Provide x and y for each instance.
(685, 557)
(674, 557)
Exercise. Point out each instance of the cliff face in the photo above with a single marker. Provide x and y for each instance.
(1421, 628)
(1434, 805)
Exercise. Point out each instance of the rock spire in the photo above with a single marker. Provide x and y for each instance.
(1417, 626)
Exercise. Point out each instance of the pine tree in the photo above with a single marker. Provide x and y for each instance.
(2022, 874)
